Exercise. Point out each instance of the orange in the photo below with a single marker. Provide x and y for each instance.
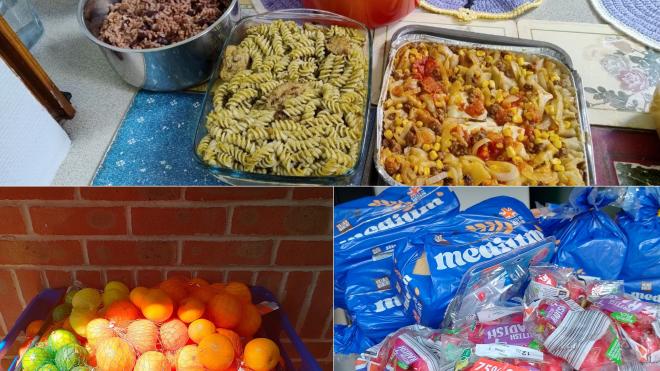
(196, 282)
(25, 346)
(199, 329)
(121, 312)
(157, 306)
(174, 288)
(216, 352)
(152, 361)
(250, 321)
(173, 334)
(143, 335)
(261, 354)
(187, 359)
(218, 287)
(137, 296)
(33, 328)
(203, 293)
(224, 310)
(190, 309)
(239, 290)
(115, 354)
(234, 338)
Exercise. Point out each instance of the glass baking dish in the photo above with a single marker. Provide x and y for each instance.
(238, 33)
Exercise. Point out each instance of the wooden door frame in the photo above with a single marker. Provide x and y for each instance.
(19, 59)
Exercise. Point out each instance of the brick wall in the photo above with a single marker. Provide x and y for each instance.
(279, 238)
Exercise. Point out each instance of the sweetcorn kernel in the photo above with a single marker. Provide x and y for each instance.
(427, 147)
(399, 106)
(398, 178)
(550, 109)
(558, 167)
(517, 119)
(521, 137)
(484, 84)
(436, 146)
(557, 143)
(416, 169)
(555, 77)
(521, 61)
(419, 124)
(508, 57)
(398, 130)
(507, 131)
(491, 84)
(461, 52)
(481, 53)
(555, 161)
(427, 171)
(510, 152)
(514, 90)
(433, 155)
(439, 164)
(389, 134)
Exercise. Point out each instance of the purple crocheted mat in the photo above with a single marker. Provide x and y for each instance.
(642, 16)
(487, 6)
(281, 4)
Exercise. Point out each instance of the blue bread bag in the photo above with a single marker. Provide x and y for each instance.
(640, 221)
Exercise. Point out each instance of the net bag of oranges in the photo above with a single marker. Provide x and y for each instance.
(181, 323)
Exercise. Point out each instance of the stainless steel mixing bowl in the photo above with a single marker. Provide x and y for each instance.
(172, 67)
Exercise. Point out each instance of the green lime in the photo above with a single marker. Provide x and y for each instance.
(70, 356)
(34, 358)
(61, 312)
(70, 294)
(48, 367)
(59, 338)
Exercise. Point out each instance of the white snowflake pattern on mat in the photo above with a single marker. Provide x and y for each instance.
(196, 104)
(120, 163)
(140, 120)
(163, 162)
(144, 169)
(150, 100)
(131, 141)
(173, 102)
(168, 167)
(165, 128)
(180, 125)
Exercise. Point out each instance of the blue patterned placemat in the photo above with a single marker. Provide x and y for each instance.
(153, 145)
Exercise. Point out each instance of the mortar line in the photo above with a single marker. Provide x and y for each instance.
(276, 248)
(27, 219)
(17, 287)
(179, 252)
(44, 279)
(168, 203)
(85, 253)
(328, 326)
(129, 220)
(230, 220)
(283, 282)
(307, 302)
(3, 323)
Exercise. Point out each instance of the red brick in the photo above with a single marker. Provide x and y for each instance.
(227, 252)
(240, 276)
(30, 282)
(294, 294)
(320, 308)
(179, 273)
(270, 280)
(78, 220)
(175, 221)
(304, 253)
(57, 279)
(235, 193)
(149, 278)
(90, 279)
(12, 221)
(40, 252)
(281, 220)
(36, 193)
(131, 252)
(10, 307)
(212, 276)
(318, 349)
(307, 193)
(130, 193)
(124, 276)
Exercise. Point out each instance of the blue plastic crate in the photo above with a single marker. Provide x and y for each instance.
(272, 326)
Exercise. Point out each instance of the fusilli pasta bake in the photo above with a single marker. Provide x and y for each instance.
(289, 100)
(464, 116)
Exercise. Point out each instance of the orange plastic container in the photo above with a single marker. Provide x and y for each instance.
(373, 13)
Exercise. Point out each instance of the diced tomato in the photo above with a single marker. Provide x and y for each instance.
(484, 152)
(423, 67)
(430, 85)
(476, 108)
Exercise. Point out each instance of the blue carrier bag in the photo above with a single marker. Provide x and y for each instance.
(640, 221)
(365, 227)
(429, 269)
(589, 240)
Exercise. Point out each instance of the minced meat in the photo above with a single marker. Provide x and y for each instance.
(146, 24)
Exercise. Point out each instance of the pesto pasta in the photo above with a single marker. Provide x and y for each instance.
(289, 101)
